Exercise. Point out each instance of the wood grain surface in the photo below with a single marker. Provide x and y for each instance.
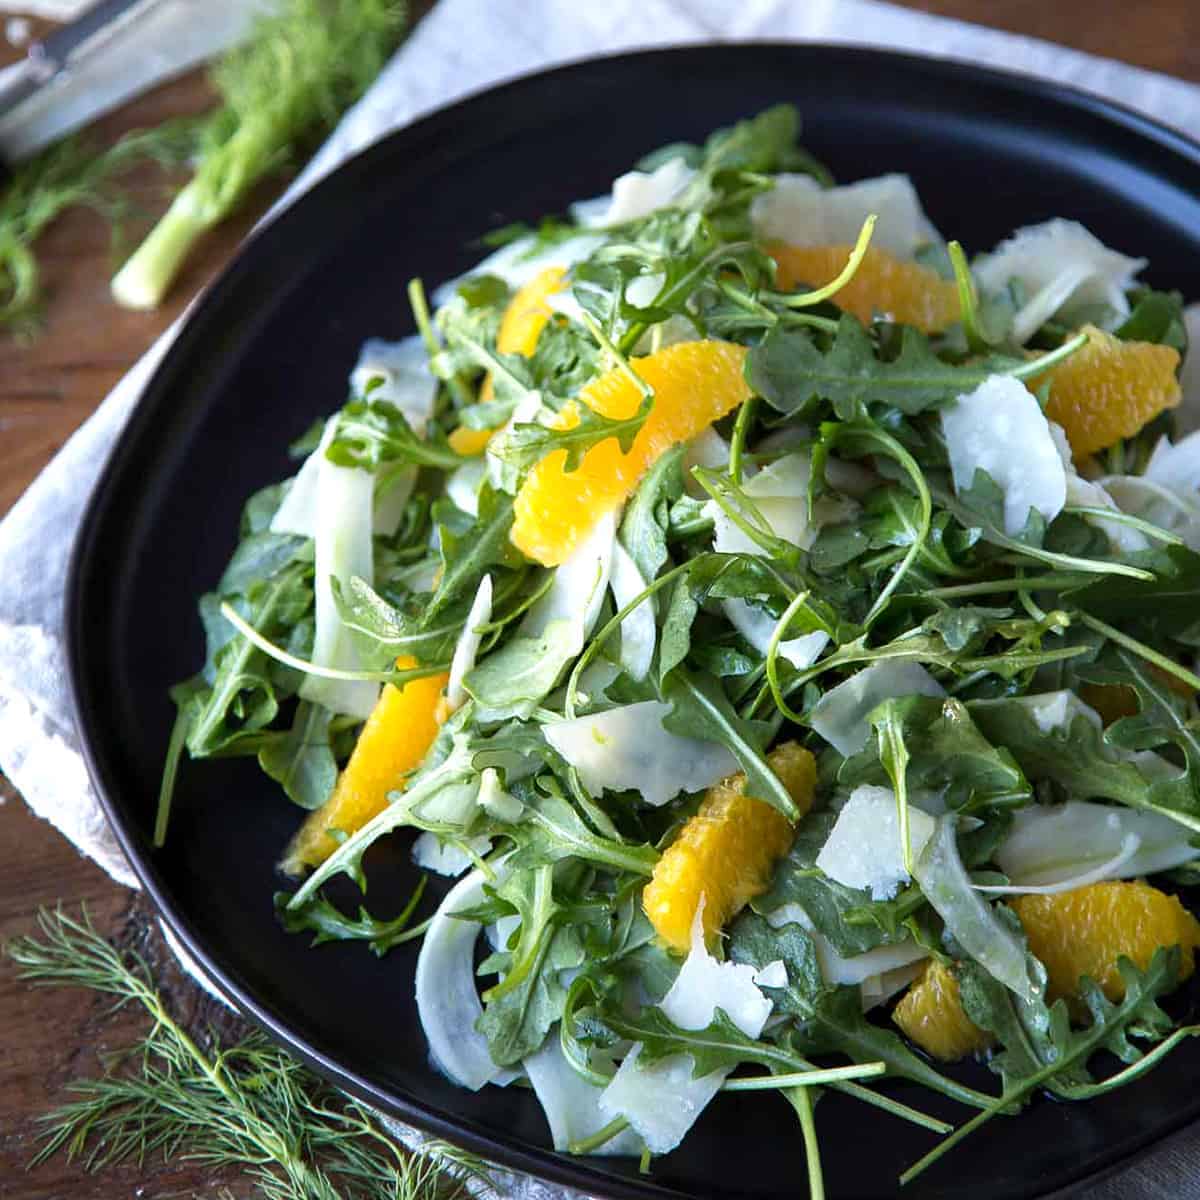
(48, 387)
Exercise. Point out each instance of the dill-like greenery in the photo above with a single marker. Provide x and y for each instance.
(71, 174)
(249, 1105)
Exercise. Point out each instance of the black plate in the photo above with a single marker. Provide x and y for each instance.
(269, 348)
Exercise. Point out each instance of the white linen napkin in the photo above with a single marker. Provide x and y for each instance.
(461, 47)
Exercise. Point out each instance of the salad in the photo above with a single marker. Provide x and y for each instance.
(780, 627)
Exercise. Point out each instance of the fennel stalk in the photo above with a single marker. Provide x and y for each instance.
(302, 67)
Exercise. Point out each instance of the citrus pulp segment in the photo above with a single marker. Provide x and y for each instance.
(396, 737)
(1108, 389)
(694, 384)
(902, 291)
(727, 852)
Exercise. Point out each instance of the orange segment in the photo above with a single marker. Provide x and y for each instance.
(1109, 389)
(525, 318)
(726, 852)
(528, 311)
(394, 740)
(694, 383)
(904, 291)
(931, 1014)
(469, 441)
(1085, 931)
(1075, 933)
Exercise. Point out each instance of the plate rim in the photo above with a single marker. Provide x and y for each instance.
(545, 1164)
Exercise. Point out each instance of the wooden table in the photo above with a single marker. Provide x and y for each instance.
(49, 387)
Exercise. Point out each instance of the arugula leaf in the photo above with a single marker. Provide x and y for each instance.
(382, 631)
(723, 661)
(244, 694)
(566, 359)
(552, 830)
(448, 766)
(624, 957)
(891, 516)
(828, 904)
(700, 709)
(929, 648)
(688, 152)
(635, 950)
(965, 625)
(1057, 1056)
(516, 1023)
(301, 760)
(977, 846)
(830, 1020)
(330, 924)
(644, 527)
(526, 444)
(1029, 1032)
(227, 707)
(1164, 606)
(983, 501)
(513, 681)
(551, 230)
(529, 895)
(978, 508)
(260, 556)
(1148, 1022)
(529, 997)
(371, 432)
(948, 756)
(1164, 716)
(1077, 757)
(490, 291)
(1035, 1036)
(763, 143)
(469, 548)
(675, 640)
(789, 371)
(469, 336)
(683, 249)
(516, 749)
(746, 516)
(720, 1045)
(1155, 317)
(837, 546)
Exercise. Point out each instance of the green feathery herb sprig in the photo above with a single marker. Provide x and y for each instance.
(249, 1105)
(71, 174)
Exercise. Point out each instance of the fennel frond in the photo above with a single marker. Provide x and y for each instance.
(71, 174)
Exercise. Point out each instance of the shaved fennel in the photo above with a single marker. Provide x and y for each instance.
(447, 999)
